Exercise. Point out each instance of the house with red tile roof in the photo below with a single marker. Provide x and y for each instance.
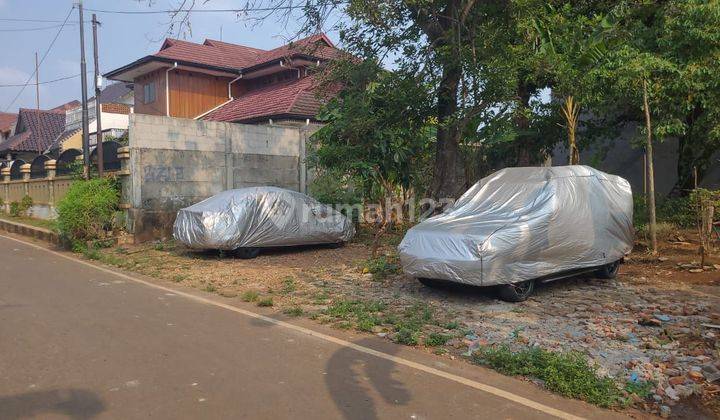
(220, 81)
(7, 124)
(34, 131)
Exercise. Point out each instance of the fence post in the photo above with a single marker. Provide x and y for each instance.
(25, 171)
(51, 169)
(123, 154)
(5, 172)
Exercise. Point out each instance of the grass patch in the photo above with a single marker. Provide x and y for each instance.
(382, 267)
(364, 314)
(177, 278)
(294, 311)
(643, 389)
(45, 224)
(568, 374)
(250, 296)
(407, 336)
(437, 339)
(452, 325)
(288, 285)
(265, 302)
(210, 288)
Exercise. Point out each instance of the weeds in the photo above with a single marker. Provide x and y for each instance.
(366, 315)
(437, 339)
(568, 374)
(177, 278)
(250, 296)
(210, 288)
(382, 267)
(294, 311)
(288, 285)
(265, 302)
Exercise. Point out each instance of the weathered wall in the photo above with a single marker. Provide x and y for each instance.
(620, 157)
(175, 162)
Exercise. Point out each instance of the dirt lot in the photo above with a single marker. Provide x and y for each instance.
(654, 330)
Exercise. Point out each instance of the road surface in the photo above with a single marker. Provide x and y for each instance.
(78, 341)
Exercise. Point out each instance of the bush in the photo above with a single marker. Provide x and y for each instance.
(14, 209)
(677, 211)
(88, 209)
(568, 374)
(333, 187)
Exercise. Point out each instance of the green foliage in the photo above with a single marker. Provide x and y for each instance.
(88, 209)
(643, 389)
(250, 296)
(376, 134)
(294, 311)
(568, 374)
(14, 209)
(365, 314)
(19, 209)
(382, 267)
(437, 339)
(677, 211)
(333, 187)
(407, 336)
(265, 302)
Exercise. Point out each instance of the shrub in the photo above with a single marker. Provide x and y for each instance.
(14, 209)
(333, 187)
(568, 374)
(26, 204)
(88, 209)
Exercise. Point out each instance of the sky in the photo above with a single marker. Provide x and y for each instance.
(122, 38)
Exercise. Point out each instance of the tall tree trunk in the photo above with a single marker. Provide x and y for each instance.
(522, 124)
(650, 172)
(692, 153)
(445, 182)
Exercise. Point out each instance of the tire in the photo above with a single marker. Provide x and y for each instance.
(608, 271)
(434, 283)
(517, 292)
(247, 253)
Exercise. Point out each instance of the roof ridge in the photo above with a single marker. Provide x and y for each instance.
(297, 94)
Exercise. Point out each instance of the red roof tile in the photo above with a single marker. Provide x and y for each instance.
(38, 130)
(66, 106)
(293, 98)
(234, 56)
(6, 121)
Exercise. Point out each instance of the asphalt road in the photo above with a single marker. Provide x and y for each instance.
(81, 342)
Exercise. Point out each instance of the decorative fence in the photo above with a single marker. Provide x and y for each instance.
(45, 192)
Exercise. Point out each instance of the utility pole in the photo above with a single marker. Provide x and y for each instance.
(98, 109)
(37, 83)
(37, 94)
(83, 81)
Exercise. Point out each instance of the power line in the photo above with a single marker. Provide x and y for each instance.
(60, 79)
(44, 28)
(41, 60)
(35, 20)
(155, 12)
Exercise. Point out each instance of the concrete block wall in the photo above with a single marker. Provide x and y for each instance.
(173, 163)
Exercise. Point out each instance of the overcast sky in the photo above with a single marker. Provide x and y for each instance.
(122, 39)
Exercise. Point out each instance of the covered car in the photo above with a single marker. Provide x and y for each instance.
(247, 219)
(522, 224)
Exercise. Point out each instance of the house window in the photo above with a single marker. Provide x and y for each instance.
(149, 93)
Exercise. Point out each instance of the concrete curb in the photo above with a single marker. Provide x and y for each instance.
(31, 231)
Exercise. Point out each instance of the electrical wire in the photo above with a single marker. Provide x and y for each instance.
(44, 28)
(42, 59)
(60, 79)
(155, 12)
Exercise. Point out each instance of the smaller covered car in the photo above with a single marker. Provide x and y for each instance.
(521, 225)
(247, 219)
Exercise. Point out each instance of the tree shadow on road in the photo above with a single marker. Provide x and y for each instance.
(351, 377)
(74, 403)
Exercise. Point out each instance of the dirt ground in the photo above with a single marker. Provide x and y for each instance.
(658, 323)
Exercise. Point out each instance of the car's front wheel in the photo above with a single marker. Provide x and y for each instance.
(247, 253)
(609, 271)
(517, 292)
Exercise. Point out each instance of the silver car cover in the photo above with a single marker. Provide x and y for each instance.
(260, 217)
(524, 223)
